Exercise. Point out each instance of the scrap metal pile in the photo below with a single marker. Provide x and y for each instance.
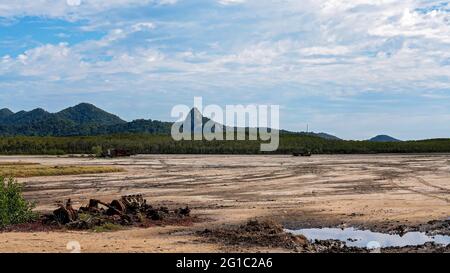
(127, 211)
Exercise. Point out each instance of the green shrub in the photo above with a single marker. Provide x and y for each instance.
(14, 209)
(97, 150)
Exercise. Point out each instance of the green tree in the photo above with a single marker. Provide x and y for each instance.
(14, 209)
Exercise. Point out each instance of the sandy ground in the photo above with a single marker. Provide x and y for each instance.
(323, 190)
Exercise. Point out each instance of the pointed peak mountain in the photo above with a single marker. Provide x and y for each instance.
(196, 114)
(196, 121)
(86, 113)
(195, 110)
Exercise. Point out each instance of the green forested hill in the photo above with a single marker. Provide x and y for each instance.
(81, 120)
(88, 120)
(85, 113)
(5, 112)
(82, 128)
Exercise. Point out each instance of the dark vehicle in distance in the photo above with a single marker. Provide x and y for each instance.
(112, 153)
(303, 153)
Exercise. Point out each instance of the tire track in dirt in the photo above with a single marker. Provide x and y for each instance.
(411, 189)
(424, 182)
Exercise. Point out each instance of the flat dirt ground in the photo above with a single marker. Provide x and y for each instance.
(324, 190)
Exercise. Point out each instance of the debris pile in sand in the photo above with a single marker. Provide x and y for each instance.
(127, 211)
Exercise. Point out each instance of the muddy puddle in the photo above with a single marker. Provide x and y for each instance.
(368, 239)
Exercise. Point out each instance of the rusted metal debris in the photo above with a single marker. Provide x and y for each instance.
(65, 214)
(128, 210)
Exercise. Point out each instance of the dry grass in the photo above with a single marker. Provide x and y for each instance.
(26, 169)
(18, 163)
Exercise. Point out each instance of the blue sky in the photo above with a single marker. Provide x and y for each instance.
(353, 68)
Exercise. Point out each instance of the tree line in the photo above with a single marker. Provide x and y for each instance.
(164, 144)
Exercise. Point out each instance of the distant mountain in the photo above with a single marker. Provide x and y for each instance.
(384, 138)
(5, 112)
(86, 119)
(85, 113)
(37, 122)
(81, 120)
(197, 121)
(321, 135)
(327, 136)
(30, 117)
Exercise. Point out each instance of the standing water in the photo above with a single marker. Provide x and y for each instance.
(364, 238)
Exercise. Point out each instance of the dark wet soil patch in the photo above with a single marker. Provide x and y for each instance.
(37, 226)
(254, 233)
(295, 219)
(430, 228)
(268, 233)
(426, 248)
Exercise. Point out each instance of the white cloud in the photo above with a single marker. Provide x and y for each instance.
(143, 26)
(48, 62)
(334, 47)
(231, 2)
(278, 51)
(69, 8)
(337, 50)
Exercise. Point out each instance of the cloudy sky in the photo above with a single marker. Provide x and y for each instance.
(354, 68)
